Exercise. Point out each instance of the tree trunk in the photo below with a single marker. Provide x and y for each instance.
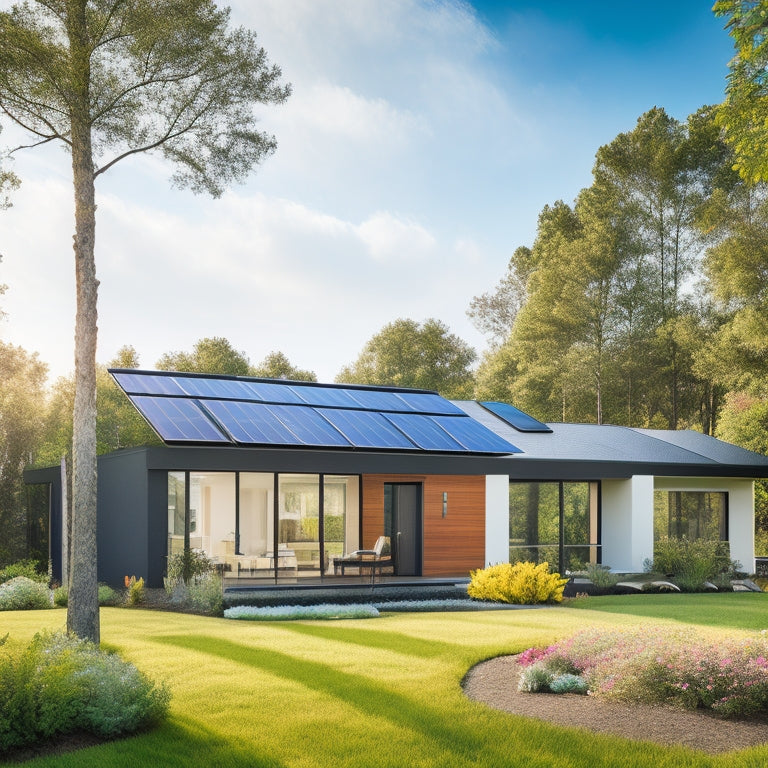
(83, 603)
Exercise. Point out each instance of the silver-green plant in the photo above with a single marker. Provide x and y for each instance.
(206, 594)
(60, 684)
(23, 594)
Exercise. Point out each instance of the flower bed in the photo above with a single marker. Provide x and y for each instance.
(654, 665)
(284, 612)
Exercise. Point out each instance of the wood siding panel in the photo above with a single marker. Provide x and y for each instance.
(453, 545)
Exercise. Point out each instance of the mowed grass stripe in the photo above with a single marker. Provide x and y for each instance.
(341, 695)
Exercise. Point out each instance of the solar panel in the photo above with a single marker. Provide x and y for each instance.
(251, 423)
(428, 402)
(366, 429)
(273, 393)
(380, 400)
(516, 418)
(178, 419)
(227, 389)
(474, 436)
(309, 426)
(184, 407)
(148, 384)
(326, 396)
(424, 431)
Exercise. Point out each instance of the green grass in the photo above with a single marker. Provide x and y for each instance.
(730, 610)
(375, 692)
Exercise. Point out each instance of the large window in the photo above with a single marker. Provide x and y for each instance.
(691, 515)
(259, 525)
(299, 510)
(341, 519)
(554, 522)
(176, 512)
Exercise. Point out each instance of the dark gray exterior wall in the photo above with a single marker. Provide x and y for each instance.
(123, 512)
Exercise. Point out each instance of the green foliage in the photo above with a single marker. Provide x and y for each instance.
(421, 355)
(205, 593)
(333, 527)
(209, 355)
(28, 568)
(568, 683)
(107, 596)
(185, 566)
(535, 679)
(744, 422)
(601, 576)
(23, 594)
(22, 392)
(294, 612)
(60, 684)
(277, 366)
(691, 562)
(744, 113)
(521, 583)
(602, 326)
(136, 593)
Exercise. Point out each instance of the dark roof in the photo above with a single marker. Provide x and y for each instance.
(592, 450)
(203, 409)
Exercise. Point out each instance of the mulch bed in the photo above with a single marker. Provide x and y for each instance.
(494, 683)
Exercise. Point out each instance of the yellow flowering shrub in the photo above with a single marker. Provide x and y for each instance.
(520, 584)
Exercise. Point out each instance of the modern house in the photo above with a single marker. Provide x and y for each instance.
(275, 480)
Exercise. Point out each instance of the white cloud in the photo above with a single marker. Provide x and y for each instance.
(389, 238)
(344, 115)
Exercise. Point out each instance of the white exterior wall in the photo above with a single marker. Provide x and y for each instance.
(741, 509)
(627, 523)
(496, 519)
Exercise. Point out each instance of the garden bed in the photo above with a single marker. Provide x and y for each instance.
(494, 683)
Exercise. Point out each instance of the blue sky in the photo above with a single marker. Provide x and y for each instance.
(420, 143)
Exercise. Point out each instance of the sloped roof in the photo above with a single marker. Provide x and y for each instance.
(592, 450)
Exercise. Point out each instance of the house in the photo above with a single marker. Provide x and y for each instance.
(274, 480)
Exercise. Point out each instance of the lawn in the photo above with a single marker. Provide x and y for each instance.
(374, 692)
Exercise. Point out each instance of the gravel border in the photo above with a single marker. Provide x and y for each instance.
(494, 682)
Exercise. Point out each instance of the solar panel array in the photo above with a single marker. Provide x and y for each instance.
(193, 409)
(516, 418)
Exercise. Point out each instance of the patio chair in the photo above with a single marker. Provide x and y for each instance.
(377, 558)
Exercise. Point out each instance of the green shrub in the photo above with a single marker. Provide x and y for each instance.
(568, 683)
(691, 562)
(23, 594)
(107, 596)
(521, 584)
(601, 576)
(28, 568)
(60, 684)
(136, 593)
(185, 566)
(205, 593)
(535, 679)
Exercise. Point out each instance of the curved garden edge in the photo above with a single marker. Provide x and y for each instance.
(494, 683)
